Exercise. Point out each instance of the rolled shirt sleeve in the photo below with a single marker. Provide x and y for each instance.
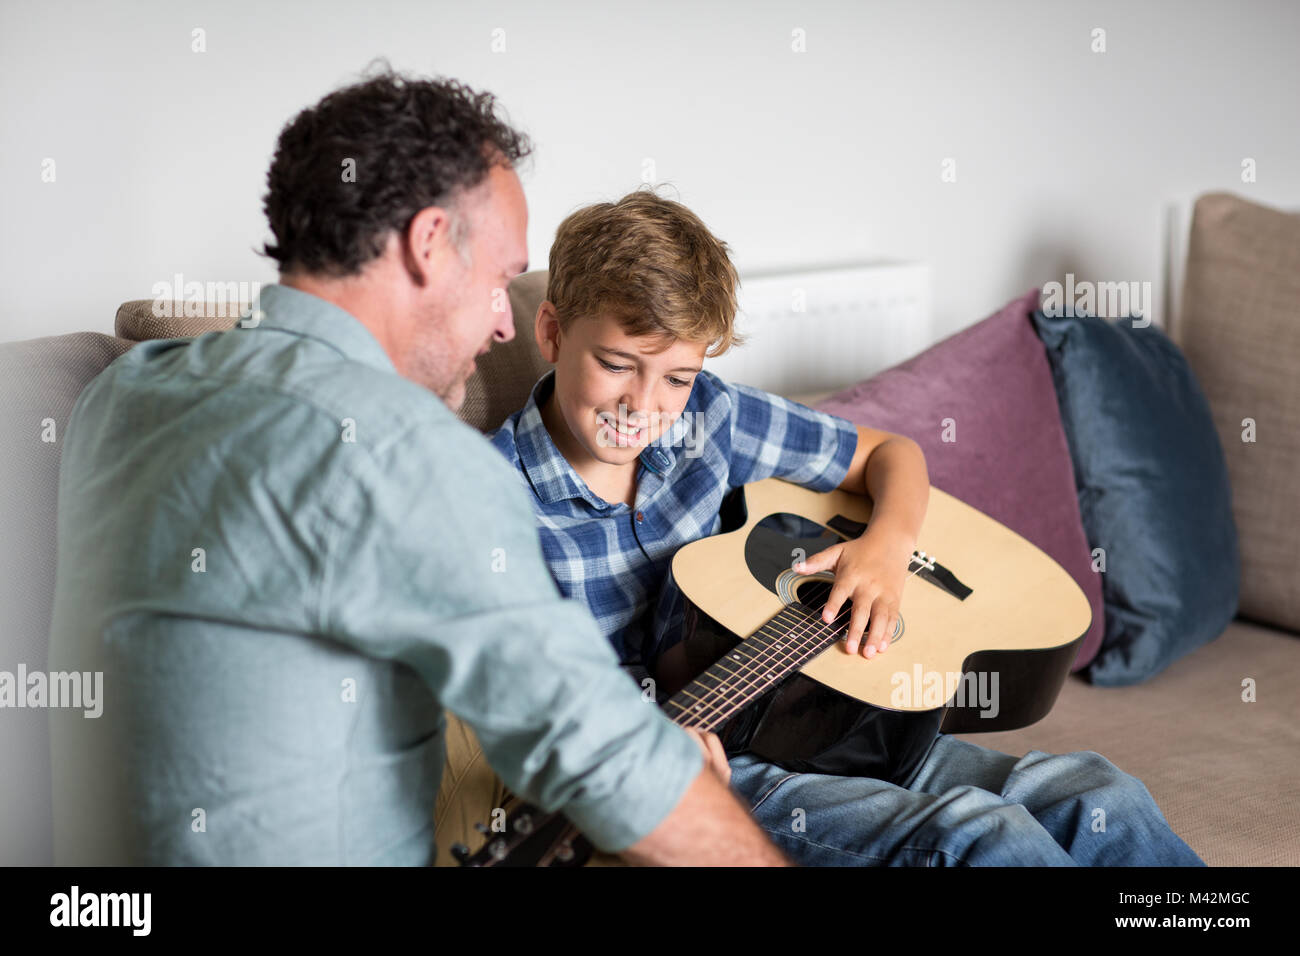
(773, 437)
(434, 560)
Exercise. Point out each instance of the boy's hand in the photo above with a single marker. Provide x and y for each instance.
(870, 570)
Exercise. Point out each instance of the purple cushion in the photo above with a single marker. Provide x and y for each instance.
(1010, 458)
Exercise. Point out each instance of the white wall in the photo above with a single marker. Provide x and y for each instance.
(1064, 156)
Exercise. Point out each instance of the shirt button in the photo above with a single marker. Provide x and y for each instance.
(640, 516)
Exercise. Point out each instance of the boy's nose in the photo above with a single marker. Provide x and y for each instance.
(638, 407)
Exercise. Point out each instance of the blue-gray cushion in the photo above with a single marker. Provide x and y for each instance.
(1153, 490)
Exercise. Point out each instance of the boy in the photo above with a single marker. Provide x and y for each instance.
(627, 449)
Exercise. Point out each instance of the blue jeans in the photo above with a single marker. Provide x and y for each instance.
(965, 806)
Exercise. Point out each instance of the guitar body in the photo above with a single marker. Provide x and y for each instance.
(989, 628)
(808, 727)
(992, 660)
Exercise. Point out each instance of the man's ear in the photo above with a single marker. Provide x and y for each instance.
(546, 329)
(427, 245)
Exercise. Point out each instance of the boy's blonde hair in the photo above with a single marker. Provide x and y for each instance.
(652, 264)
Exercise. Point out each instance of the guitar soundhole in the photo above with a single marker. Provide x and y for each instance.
(813, 593)
(780, 541)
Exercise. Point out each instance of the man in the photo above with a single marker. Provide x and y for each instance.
(287, 556)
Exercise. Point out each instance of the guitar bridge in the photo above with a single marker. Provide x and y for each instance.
(926, 566)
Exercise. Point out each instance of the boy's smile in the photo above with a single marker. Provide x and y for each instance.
(615, 394)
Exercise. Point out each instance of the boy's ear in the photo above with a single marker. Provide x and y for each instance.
(546, 328)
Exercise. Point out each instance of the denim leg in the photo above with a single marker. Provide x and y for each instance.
(1097, 813)
(822, 820)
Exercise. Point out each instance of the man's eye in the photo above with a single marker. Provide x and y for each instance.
(612, 368)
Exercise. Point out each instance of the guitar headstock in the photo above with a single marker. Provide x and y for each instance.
(530, 837)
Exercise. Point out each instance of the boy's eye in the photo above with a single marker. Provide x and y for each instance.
(678, 382)
(612, 368)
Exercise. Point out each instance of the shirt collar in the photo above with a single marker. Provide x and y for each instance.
(550, 473)
(312, 317)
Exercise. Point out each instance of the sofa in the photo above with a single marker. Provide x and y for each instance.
(1225, 773)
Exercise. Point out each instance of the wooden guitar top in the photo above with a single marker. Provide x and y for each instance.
(1021, 598)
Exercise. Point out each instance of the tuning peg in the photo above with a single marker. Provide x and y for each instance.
(461, 852)
(564, 853)
(481, 828)
(524, 823)
(498, 849)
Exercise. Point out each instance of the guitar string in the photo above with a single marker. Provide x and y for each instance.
(785, 649)
(802, 641)
(763, 661)
(571, 831)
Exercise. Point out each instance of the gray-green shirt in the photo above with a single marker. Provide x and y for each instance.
(286, 560)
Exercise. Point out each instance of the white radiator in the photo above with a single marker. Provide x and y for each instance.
(822, 329)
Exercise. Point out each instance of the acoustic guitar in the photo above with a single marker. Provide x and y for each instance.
(989, 626)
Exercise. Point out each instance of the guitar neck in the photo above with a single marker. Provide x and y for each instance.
(753, 667)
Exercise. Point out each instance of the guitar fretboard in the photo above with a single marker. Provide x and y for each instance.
(758, 664)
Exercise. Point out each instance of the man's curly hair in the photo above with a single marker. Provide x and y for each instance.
(413, 143)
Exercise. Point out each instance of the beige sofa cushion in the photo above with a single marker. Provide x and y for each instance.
(1240, 330)
(1221, 764)
(511, 367)
(40, 380)
(136, 321)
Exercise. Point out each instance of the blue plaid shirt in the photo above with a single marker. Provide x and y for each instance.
(615, 558)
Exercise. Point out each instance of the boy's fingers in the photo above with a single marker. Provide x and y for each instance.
(821, 561)
(871, 646)
(882, 625)
(857, 625)
(834, 601)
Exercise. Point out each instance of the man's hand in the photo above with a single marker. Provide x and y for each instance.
(714, 756)
(870, 570)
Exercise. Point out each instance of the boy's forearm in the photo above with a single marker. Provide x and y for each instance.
(898, 483)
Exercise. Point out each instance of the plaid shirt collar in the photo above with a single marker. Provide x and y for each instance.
(549, 472)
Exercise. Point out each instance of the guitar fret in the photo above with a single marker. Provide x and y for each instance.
(754, 666)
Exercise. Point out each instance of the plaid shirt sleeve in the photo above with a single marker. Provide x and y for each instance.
(773, 437)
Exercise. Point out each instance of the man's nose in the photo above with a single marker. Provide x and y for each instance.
(504, 330)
